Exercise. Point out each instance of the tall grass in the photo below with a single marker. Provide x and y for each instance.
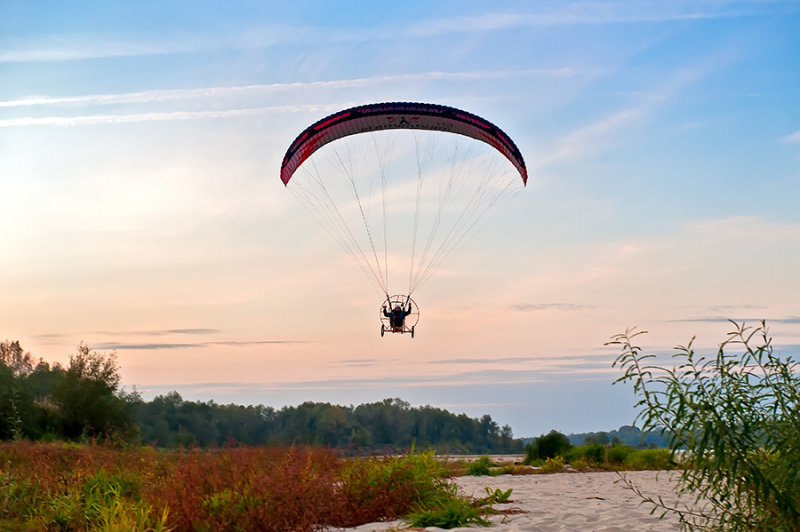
(94, 487)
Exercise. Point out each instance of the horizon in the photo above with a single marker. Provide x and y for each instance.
(140, 153)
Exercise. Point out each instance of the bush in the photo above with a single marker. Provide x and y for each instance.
(735, 417)
(553, 465)
(449, 512)
(583, 456)
(479, 467)
(374, 489)
(617, 454)
(649, 459)
(551, 445)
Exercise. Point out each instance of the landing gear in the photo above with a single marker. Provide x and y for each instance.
(383, 330)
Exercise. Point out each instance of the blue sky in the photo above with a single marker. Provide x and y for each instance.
(140, 147)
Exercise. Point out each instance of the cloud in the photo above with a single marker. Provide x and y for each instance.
(258, 35)
(570, 307)
(475, 379)
(506, 360)
(160, 346)
(162, 332)
(70, 47)
(359, 362)
(792, 320)
(216, 96)
(588, 13)
(156, 117)
(214, 93)
(51, 338)
(794, 137)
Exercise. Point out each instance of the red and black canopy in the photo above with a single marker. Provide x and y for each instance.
(398, 115)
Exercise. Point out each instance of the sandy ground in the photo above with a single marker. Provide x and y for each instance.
(570, 502)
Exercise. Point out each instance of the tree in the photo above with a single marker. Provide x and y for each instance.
(734, 418)
(86, 397)
(548, 445)
(13, 356)
(10, 405)
(506, 438)
(597, 437)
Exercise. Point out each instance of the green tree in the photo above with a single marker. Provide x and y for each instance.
(10, 404)
(548, 445)
(87, 399)
(597, 437)
(735, 419)
(14, 357)
(506, 438)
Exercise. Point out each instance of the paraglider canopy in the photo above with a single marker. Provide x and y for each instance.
(398, 115)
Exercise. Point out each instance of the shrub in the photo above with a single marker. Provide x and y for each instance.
(551, 445)
(553, 465)
(450, 513)
(374, 489)
(649, 459)
(735, 417)
(617, 454)
(479, 467)
(595, 452)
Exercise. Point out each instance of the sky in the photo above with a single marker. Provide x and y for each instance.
(143, 214)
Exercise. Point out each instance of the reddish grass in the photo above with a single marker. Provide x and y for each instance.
(234, 488)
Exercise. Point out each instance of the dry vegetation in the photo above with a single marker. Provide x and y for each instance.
(58, 486)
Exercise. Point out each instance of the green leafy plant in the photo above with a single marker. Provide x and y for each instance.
(451, 510)
(497, 496)
(450, 513)
(735, 420)
(553, 465)
(479, 467)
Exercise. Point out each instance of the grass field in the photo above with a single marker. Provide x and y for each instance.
(60, 486)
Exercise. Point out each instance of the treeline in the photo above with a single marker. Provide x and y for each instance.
(392, 423)
(83, 400)
(625, 435)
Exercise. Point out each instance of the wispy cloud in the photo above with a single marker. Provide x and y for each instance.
(490, 360)
(161, 332)
(217, 94)
(792, 320)
(160, 96)
(590, 137)
(260, 35)
(592, 13)
(161, 346)
(596, 135)
(83, 46)
(482, 378)
(569, 307)
(155, 117)
(359, 362)
(794, 137)
(70, 47)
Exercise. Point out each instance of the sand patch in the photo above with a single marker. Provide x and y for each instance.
(570, 502)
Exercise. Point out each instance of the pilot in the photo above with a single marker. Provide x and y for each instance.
(397, 316)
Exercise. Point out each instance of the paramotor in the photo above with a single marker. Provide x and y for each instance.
(402, 185)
